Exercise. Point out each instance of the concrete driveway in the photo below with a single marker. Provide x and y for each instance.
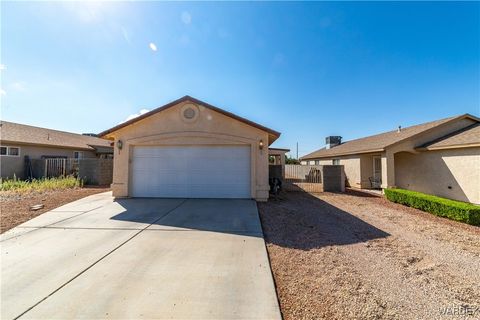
(139, 258)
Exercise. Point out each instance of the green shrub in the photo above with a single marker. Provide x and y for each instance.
(40, 184)
(455, 210)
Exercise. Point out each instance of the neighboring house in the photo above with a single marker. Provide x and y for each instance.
(18, 141)
(191, 149)
(440, 158)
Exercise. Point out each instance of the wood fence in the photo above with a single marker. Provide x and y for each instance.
(303, 178)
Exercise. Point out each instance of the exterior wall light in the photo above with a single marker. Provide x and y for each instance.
(260, 145)
(119, 144)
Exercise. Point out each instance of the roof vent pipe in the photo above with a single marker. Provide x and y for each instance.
(399, 129)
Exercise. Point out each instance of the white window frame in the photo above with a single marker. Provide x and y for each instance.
(374, 158)
(8, 151)
(336, 162)
(80, 155)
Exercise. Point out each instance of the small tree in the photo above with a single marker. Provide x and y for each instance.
(289, 160)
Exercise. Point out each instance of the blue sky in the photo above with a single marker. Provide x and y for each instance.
(306, 69)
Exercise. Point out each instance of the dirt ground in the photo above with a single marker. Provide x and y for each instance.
(15, 207)
(358, 256)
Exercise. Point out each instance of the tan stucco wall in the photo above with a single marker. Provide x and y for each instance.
(168, 128)
(352, 169)
(433, 172)
(366, 170)
(10, 165)
(409, 145)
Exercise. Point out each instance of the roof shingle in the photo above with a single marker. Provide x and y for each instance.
(377, 142)
(24, 134)
(469, 136)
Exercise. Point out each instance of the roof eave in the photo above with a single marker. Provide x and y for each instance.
(280, 149)
(87, 147)
(456, 146)
(341, 154)
(463, 116)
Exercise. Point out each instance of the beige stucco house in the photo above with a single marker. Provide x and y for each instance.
(18, 141)
(191, 149)
(440, 158)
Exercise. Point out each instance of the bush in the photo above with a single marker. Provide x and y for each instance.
(455, 210)
(40, 184)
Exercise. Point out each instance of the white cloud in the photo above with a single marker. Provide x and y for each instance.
(153, 46)
(126, 35)
(186, 17)
(19, 86)
(133, 116)
(3, 67)
(87, 11)
(3, 92)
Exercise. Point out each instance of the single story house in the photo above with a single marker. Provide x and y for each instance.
(440, 158)
(18, 141)
(190, 149)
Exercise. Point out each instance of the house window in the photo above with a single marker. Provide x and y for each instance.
(78, 155)
(10, 151)
(13, 151)
(317, 162)
(336, 162)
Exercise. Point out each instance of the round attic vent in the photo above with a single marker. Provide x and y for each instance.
(189, 113)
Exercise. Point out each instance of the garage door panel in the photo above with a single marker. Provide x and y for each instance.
(191, 171)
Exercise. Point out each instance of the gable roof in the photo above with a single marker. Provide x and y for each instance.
(379, 142)
(24, 134)
(273, 135)
(466, 137)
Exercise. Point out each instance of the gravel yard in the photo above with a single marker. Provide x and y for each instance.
(355, 255)
(15, 207)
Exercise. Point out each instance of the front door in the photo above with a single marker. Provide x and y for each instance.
(377, 172)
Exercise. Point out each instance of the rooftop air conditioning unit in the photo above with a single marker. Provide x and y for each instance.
(333, 141)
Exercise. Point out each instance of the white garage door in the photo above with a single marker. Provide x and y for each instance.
(191, 172)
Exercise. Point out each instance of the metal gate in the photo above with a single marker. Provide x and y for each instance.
(303, 178)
